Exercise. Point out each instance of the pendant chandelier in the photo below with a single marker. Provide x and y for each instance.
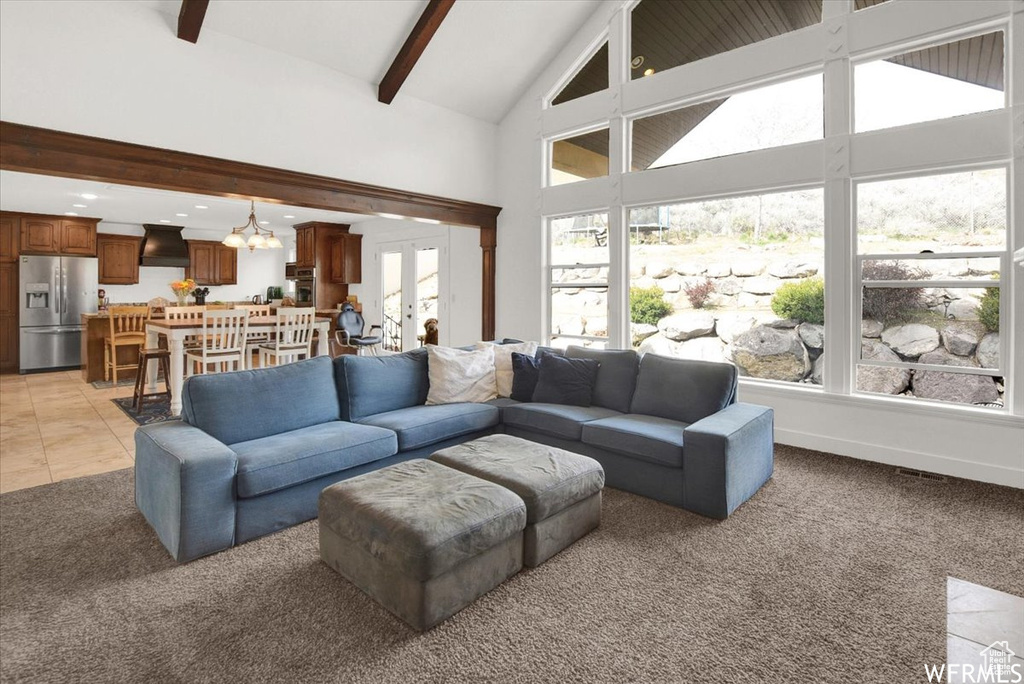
(260, 239)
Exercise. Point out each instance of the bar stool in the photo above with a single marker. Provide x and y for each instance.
(145, 355)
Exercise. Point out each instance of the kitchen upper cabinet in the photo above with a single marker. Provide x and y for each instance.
(119, 259)
(10, 227)
(54, 235)
(227, 265)
(305, 246)
(40, 236)
(346, 263)
(212, 263)
(78, 238)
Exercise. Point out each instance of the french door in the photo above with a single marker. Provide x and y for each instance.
(413, 290)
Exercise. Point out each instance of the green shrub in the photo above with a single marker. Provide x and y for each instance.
(647, 305)
(988, 309)
(891, 303)
(803, 301)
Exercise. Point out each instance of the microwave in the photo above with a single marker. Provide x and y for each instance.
(293, 272)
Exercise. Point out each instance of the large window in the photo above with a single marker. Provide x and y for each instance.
(738, 279)
(775, 115)
(938, 82)
(670, 33)
(931, 252)
(578, 258)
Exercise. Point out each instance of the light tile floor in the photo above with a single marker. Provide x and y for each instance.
(54, 426)
(976, 618)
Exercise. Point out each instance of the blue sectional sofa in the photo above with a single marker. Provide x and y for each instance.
(255, 448)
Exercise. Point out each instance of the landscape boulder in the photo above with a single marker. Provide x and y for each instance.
(718, 270)
(731, 324)
(701, 349)
(959, 339)
(687, 325)
(955, 387)
(792, 269)
(817, 370)
(911, 340)
(812, 334)
(641, 331)
(761, 285)
(690, 268)
(658, 270)
(748, 267)
(770, 353)
(988, 351)
(870, 328)
(880, 379)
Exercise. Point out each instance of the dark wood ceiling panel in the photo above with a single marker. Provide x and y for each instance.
(977, 60)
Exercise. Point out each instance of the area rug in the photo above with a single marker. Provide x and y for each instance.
(153, 410)
(834, 572)
(107, 384)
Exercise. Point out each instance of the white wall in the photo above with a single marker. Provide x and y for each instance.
(962, 442)
(460, 302)
(256, 271)
(116, 70)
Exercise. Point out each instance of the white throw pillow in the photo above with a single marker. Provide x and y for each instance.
(503, 362)
(457, 375)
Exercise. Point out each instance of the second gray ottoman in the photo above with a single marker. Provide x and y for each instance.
(423, 540)
(562, 490)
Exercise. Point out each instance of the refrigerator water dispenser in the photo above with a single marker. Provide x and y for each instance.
(37, 295)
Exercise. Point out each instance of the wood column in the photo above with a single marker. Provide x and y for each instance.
(488, 244)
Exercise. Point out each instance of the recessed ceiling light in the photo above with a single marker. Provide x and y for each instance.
(182, 215)
(80, 206)
(88, 195)
(202, 206)
(164, 221)
(648, 72)
(289, 216)
(70, 213)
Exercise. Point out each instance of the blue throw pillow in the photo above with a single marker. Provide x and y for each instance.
(525, 371)
(566, 381)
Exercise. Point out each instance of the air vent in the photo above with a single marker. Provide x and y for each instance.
(920, 475)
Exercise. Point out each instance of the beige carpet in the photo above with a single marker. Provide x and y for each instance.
(835, 572)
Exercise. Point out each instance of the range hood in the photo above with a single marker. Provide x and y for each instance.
(163, 246)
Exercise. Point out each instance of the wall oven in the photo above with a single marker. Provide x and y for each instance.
(305, 292)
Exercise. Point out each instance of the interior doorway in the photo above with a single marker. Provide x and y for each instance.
(413, 289)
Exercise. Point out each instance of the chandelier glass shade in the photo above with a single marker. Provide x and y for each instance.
(260, 239)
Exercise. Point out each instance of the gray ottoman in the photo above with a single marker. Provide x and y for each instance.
(562, 490)
(421, 539)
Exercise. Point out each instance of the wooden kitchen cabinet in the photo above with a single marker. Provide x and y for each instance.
(119, 259)
(227, 265)
(54, 235)
(10, 227)
(40, 236)
(305, 245)
(212, 263)
(77, 238)
(346, 262)
(9, 316)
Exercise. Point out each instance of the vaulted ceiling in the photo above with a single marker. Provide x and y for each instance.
(481, 60)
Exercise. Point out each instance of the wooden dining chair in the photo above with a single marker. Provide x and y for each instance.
(224, 335)
(255, 337)
(187, 313)
(127, 329)
(293, 336)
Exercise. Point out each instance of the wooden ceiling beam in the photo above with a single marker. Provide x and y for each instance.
(413, 48)
(190, 19)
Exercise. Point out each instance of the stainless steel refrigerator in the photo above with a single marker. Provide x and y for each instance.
(54, 293)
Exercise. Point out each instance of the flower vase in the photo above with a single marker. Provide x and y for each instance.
(181, 299)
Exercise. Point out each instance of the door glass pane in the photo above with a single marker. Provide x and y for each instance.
(938, 82)
(668, 34)
(426, 290)
(391, 298)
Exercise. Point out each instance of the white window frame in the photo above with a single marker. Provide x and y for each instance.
(550, 286)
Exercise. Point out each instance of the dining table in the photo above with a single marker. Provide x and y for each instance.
(177, 330)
